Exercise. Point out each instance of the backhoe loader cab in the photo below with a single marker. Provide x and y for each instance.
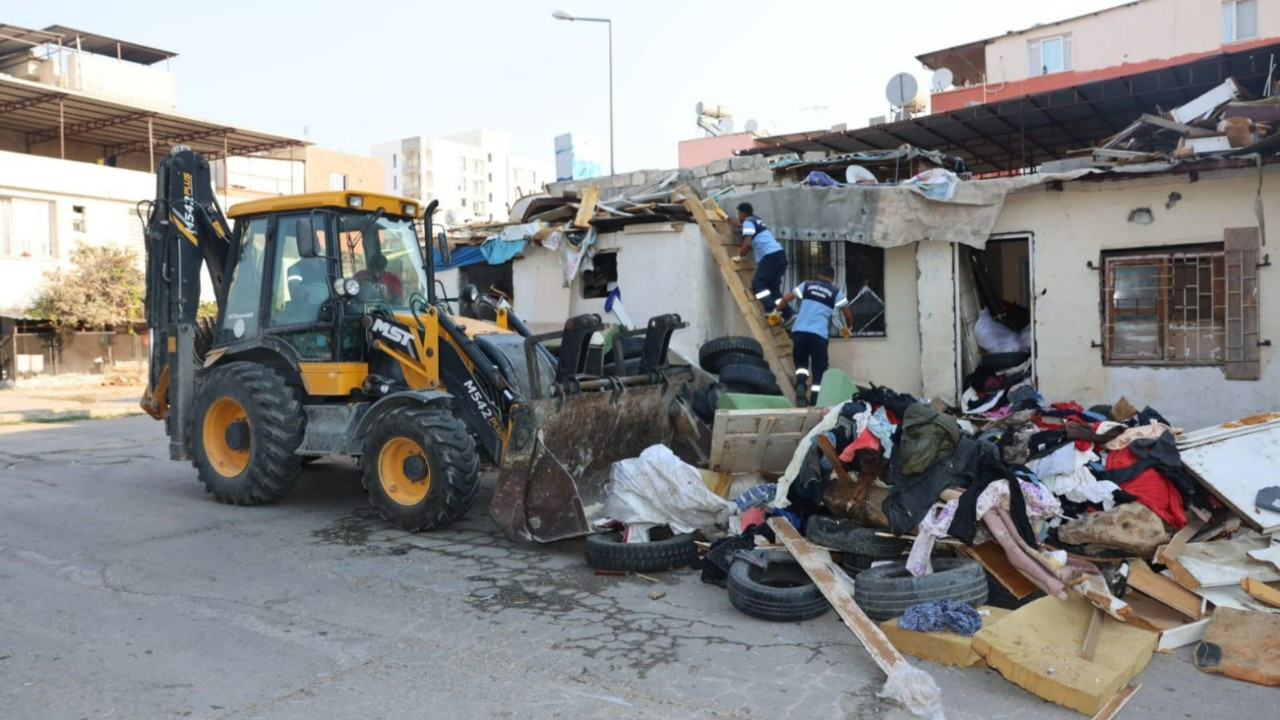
(331, 339)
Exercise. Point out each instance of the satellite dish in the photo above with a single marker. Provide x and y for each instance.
(725, 125)
(941, 80)
(901, 90)
(752, 125)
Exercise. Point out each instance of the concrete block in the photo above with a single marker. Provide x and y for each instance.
(718, 167)
(745, 162)
(814, 156)
(639, 178)
(700, 171)
(1038, 647)
(749, 177)
(947, 648)
(712, 182)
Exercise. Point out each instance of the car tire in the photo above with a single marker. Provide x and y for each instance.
(850, 537)
(782, 592)
(606, 551)
(711, 354)
(755, 379)
(885, 592)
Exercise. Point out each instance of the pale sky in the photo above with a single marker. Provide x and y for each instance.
(349, 73)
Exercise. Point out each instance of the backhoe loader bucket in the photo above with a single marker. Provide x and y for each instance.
(554, 477)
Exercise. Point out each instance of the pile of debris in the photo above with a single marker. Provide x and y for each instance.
(1057, 544)
(1220, 123)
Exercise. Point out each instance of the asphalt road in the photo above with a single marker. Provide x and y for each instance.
(126, 593)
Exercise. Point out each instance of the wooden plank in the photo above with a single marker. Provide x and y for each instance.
(1117, 701)
(587, 208)
(759, 440)
(1147, 581)
(1260, 591)
(992, 557)
(1221, 563)
(1166, 554)
(1151, 614)
(817, 563)
(1090, 648)
(718, 237)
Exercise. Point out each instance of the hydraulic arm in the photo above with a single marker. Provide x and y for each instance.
(185, 229)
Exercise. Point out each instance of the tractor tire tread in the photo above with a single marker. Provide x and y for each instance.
(456, 464)
(275, 413)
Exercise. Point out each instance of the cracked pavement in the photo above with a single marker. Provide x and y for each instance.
(128, 593)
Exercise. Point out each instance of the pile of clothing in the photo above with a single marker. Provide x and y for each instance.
(1012, 475)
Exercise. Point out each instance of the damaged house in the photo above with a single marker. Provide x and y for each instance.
(1128, 265)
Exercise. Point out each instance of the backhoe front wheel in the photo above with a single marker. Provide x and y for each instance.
(245, 427)
(420, 467)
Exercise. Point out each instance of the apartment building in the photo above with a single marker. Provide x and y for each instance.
(473, 174)
(1127, 39)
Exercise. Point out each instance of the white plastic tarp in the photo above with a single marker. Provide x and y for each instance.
(659, 488)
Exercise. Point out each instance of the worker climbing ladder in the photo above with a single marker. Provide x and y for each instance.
(773, 339)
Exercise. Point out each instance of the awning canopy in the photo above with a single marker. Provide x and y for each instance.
(109, 46)
(1022, 132)
(44, 113)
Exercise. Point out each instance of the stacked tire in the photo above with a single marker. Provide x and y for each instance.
(740, 365)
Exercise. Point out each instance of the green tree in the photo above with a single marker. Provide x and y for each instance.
(104, 287)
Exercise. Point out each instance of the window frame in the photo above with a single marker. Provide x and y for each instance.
(1163, 259)
(45, 248)
(840, 261)
(1232, 8)
(1035, 55)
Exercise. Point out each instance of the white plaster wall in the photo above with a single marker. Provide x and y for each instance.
(662, 268)
(1074, 226)
(109, 196)
(891, 361)
(935, 286)
(1135, 33)
(146, 86)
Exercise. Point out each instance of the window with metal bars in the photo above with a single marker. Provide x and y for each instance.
(1166, 307)
(859, 270)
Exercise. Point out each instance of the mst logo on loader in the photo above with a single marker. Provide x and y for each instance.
(396, 334)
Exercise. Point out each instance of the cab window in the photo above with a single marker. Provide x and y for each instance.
(300, 285)
(244, 297)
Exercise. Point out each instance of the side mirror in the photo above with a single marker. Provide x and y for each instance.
(306, 238)
(443, 242)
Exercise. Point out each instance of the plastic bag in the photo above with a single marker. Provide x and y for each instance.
(659, 488)
(994, 337)
(916, 689)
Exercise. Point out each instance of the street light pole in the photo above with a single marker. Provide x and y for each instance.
(562, 15)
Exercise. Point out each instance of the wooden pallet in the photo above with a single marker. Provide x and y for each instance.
(737, 275)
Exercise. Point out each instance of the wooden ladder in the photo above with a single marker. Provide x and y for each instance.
(724, 245)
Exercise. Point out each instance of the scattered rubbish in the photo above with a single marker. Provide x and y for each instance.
(944, 614)
(905, 683)
(1243, 645)
(657, 595)
(779, 591)
(941, 646)
(1038, 648)
(1117, 701)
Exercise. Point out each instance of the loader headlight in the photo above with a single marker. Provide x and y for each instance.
(346, 287)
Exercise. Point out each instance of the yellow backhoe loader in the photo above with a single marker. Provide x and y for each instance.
(331, 339)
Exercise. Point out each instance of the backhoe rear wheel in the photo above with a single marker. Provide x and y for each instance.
(420, 467)
(245, 427)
